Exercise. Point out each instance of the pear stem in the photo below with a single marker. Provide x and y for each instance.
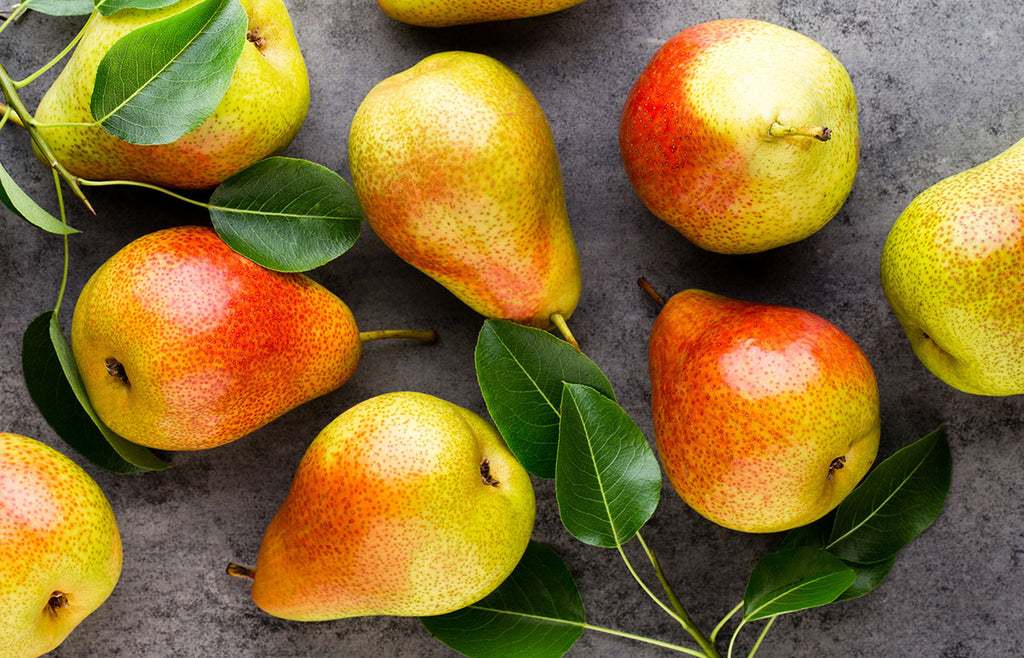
(820, 133)
(649, 289)
(558, 320)
(238, 571)
(425, 335)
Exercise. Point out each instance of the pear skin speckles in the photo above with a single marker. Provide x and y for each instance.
(212, 345)
(456, 170)
(260, 114)
(389, 514)
(951, 269)
(60, 546)
(696, 142)
(752, 404)
(443, 13)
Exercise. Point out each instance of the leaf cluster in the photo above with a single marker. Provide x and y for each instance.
(558, 413)
(286, 214)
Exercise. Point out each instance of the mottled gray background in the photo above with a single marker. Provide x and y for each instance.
(939, 84)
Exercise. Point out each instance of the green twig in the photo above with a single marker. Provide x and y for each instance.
(684, 620)
(10, 92)
(680, 613)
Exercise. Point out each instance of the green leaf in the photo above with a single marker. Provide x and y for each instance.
(607, 479)
(895, 502)
(25, 207)
(54, 384)
(60, 7)
(108, 7)
(813, 534)
(163, 80)
(287, 214)
(794, 579)
(869, 576)
(536, 612)
(520, 371)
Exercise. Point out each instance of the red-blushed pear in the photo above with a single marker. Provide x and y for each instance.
(259, 115)
(405, 504)
(184, 344)
(953, 271)
(742, 135)
(765, 416)
(455, 167)
(443, 13)
(60, 551)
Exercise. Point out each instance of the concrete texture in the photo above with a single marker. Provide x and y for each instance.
(939, 89)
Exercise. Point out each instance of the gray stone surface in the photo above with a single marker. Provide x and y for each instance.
(939, 89)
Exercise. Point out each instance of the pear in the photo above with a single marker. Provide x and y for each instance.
(60, 547)
(405, 504)
(742, 135)
(765, 416)
(455, 167)
(953, 271)
(183, 344)
(259, 115)
(443, 13)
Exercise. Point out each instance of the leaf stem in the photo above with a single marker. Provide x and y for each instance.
(735, 634)
(46, 67)
(558, 320)
(684, 618)
(148, 186)
(721, 624)
(9, 113)
(425, 335)
(67, 259)
(760, 638)
(673, 599)
(648, 640)
(10, 92)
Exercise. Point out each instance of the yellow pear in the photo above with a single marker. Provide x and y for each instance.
(263, 109)
(455, 167)
(60, 551)
(184, 344)
(442, 13)
(765, 416)
(953, 271)
(405, 504)
(742, 135)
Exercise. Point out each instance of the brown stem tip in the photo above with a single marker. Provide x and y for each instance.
(649, 289)
(239, 571)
